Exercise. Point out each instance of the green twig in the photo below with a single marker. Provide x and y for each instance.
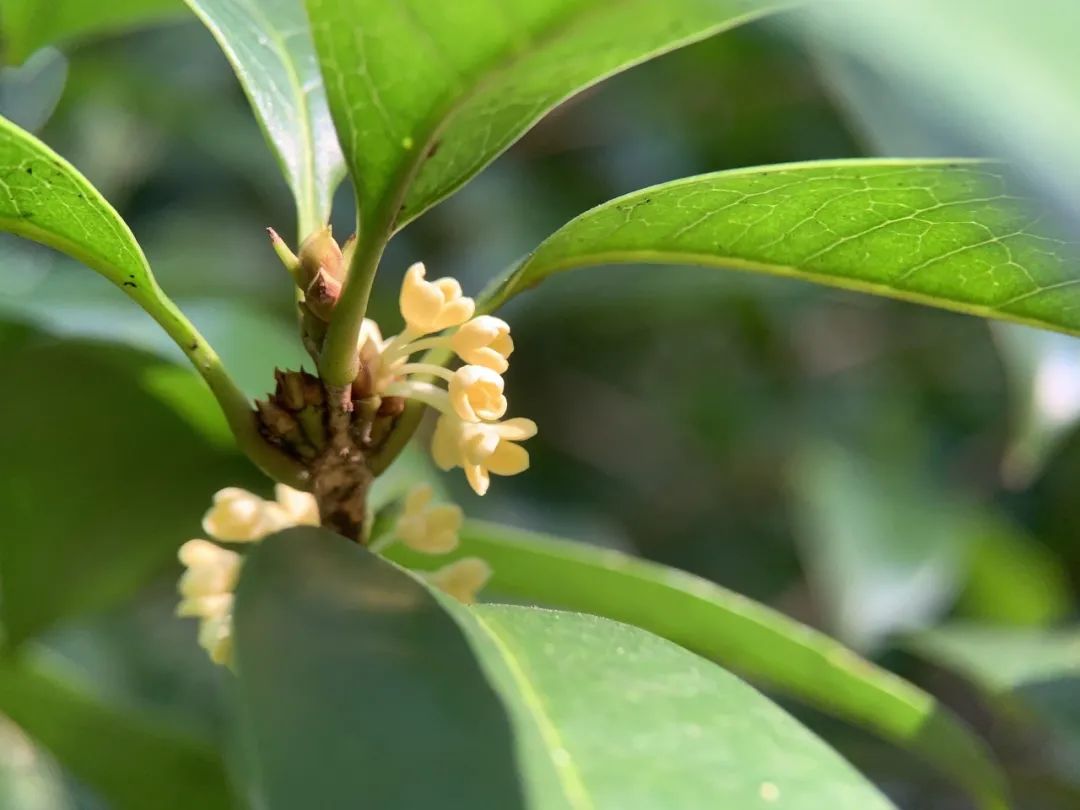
(234, 404)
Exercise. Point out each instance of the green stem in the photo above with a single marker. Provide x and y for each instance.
(234, 404)
(339, 363)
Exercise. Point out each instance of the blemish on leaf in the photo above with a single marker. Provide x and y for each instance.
(130, 284)
(407, 142)
(769, 792)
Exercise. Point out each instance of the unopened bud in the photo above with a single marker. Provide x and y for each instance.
(320, 252)
(322, 295)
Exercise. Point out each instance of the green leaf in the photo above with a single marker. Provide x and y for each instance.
(26, 25)
(744, 636)
(131, 759)
(946, 234)
(384, 690)
(609, 716)
(269, 45)
(105, 480)
(426, 94)
(44, 198)
(384, 705)
(925, 59)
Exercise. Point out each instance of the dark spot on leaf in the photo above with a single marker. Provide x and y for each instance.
(130, 284)
(29, 169)
(194, 346)
(434, 148)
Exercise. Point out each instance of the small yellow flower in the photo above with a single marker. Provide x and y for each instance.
(476, 394)
(427, 527)
(215, 636)
(481, 448)
(462, 579)
(207, 586)
(431, 306)
(207, 590)
(211, 569)
(484, 341)
(239, 516)
(299, 508)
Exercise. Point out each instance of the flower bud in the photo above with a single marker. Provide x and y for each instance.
(322, 294)
(320, 252)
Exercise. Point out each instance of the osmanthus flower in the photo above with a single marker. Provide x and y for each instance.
(469, 433)
(462, 579)
(428, 527)
(331, 432)
(208, 584)
(206, 588)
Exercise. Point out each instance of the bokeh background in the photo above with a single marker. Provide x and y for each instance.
(903, 478)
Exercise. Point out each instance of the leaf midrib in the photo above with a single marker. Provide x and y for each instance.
(573, 786)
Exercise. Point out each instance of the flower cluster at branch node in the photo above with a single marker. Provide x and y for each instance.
(470, 432)
(211, 573)
(439, 319)
(236, 516)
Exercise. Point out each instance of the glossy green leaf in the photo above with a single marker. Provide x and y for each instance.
(26, 25)
(946, 234)
(611, 717)
(355, 658)
(737, 633)
(925, 60)
(103, 480)
(129, 759)
(44, 198)
(269, 45)
(426, 94)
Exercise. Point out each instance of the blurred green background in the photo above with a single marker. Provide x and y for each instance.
(903, 478)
